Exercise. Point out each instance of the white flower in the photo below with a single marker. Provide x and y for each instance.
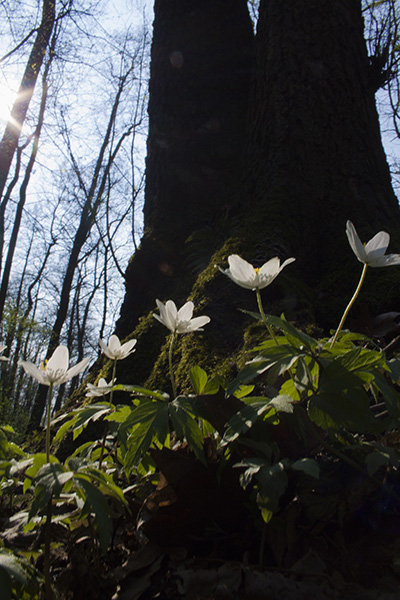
(55, 371)
(372, 253)
(179, 321)
(245, 275)
(114, 350)
(101, 389)
(2, 348)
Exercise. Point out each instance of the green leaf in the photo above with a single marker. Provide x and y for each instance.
(18, 577)
(349, 410)
(376, 460)
(390, 395)
(278, 359)
(186, 426)
(97, 503)
(308, 466)
(282, 403)
(198, 378)
(273, 482)
(49, 482)
(92, 412)
(145, 411)
(38, 460)
(244, 390)
(253, 466)
(149, 422)
(244, 419)
(141, 391)
(119, 415)
(104, 480)
(293, 335)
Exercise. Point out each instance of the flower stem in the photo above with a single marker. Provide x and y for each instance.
(264, 318)
(103, 443)
(48, 423)
(47, 534)
(350, 304)
(171, 372)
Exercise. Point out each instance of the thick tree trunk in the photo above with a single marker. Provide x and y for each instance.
(315, 152)
(200, 79)
(313, 159)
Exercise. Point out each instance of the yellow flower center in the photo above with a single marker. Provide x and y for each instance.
(256, 269)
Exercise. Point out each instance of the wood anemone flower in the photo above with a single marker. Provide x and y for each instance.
(55, 371)
(179, 321)
(101, 389)
(373, 252)
(251, 278)
(115, 350)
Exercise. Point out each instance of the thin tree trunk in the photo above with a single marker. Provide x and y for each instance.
(9, 142)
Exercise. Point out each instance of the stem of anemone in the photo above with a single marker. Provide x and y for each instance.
(48, 422)
(264, 318)
(350, 304)
(171, 372)
(47, 535)
(103, 443)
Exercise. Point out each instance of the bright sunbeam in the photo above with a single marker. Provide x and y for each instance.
(7, 97)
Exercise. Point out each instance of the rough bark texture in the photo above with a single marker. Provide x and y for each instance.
(313, 159)
(200, 79)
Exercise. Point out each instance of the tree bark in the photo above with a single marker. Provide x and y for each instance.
(9, 142)
(312, 159)
(201, 62)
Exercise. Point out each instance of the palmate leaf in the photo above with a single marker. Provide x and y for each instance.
(104, 480)
(187, 427)
(390, 395)
(308, 466)
(18, 577)
(49, 482)
(149, 421)
(81, 418)
(293, 335)
(96, 503)
(276, 359)
(348, 410)
(141, 391)
(38, 460)
(244, 419)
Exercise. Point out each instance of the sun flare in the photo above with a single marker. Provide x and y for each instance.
(7, 98)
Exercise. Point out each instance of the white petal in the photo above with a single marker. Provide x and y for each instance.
(114, 344)
(355, 242)
(59, 360)
(78, 368)
(185, 313)
(171, 315)
(104, 347)
(286, 263)
(377, 246)
(194, 324)
(127, 348)
(385, 261)
(241, 271)
(32, 370)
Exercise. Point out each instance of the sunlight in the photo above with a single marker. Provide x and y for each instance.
(7, 97)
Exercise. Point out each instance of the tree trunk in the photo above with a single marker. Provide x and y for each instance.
(200, 77)
(313, 159)
(8, 144)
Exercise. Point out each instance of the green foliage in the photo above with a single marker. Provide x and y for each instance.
(18, 577)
